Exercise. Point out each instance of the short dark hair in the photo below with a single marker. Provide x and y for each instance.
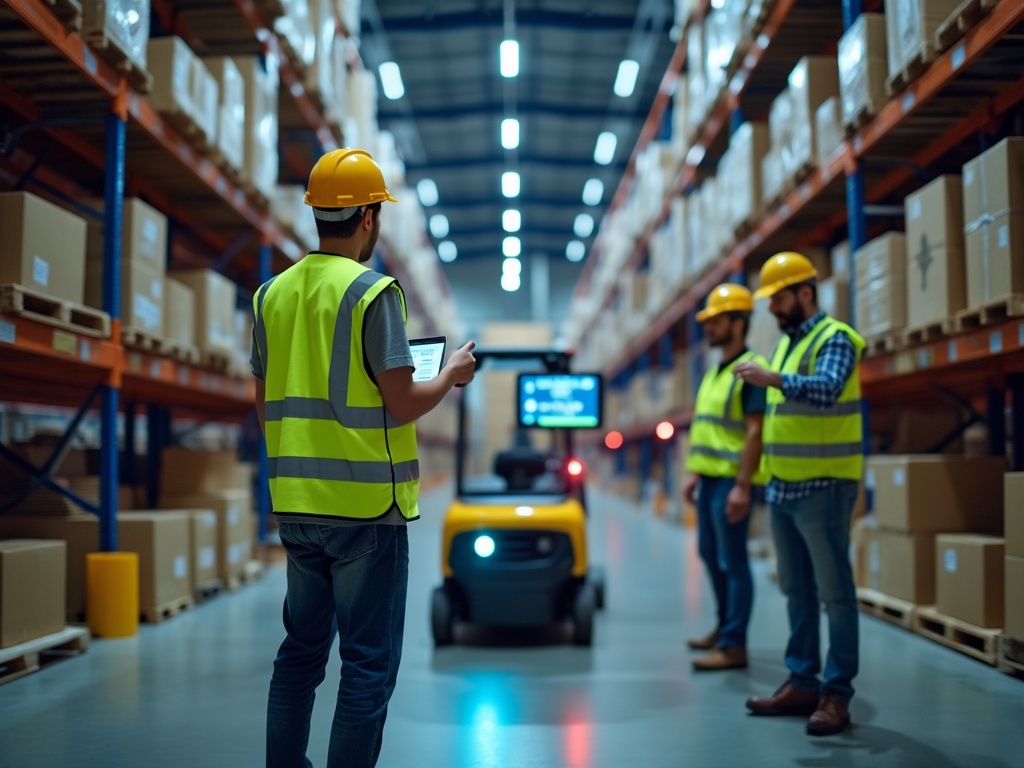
(745, 317)
(345, 228)
(812, 284)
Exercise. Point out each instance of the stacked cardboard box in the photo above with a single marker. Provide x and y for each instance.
(910, 29)
(829, 129)
(124, 22)
(863, 68)
(1013, 536)
(230, 109)
(936, 271)
(32, 578)
(184, 89)
(162, 543)
(180, 312)
(740, 174)
(969, 578)
(881, 267)
(792, 116)
(215, 298)
(260, 75)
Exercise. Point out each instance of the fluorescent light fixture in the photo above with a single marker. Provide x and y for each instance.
(593, 191)
(510, 282)
(508, 54)
(575, 250)
(391, 80)
(718, 3)
(604, 150)
(510, 133)
(447, 252)
(427, 190)
(439, 225)
(511, 221)
(511, 247)
(625, 80)
(510, 184)
(584, 225)
(515, 266)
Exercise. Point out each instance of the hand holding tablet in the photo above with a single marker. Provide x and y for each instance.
(427, 357)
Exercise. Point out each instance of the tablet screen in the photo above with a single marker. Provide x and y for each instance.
(427, 357)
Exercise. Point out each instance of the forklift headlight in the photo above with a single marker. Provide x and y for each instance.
(484, 546)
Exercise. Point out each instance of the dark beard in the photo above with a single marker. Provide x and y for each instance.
(793, 320)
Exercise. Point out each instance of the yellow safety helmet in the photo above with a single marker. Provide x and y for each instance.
(728, 297)
(346, 178)
(783, 270)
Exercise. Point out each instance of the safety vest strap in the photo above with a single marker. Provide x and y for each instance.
(715, 453)
(720, 421)
(815, 451)
(790, 408)
(805, 362)
(353, 417)
(311, 468)
(259, 328)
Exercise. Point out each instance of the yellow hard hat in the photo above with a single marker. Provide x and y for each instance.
(728, 297)
(783, 270)
(346, 178)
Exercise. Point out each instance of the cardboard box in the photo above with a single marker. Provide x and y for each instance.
(32, 577)
(179, 312)
(748, 144)
(42, 246)
(813, 80)
(933, 494)
(183, 470)
(215, 297)
(994, 222)
(203, 546)
(231, 109)
(906, 566)
(866, 558)
(863, 68)
(142, 295)
(884, 257)
(829, 130)
(834, 297)
(143, 241)
(969, 579)
(841, 259)
(936, 271)
(162, 541)
(1013, 513)
(911, 26)
(170, 64)
(234, 532)
(1014, 597)
(260, 76)
(880, 266)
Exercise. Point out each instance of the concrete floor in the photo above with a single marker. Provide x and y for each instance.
(192, 691)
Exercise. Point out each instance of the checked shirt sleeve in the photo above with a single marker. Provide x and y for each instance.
(835, 364)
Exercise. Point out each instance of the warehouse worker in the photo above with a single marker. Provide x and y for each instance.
(725, 453)
(813, 446)
(337, 402)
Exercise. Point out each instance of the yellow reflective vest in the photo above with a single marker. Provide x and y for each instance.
(334, 450)
(804, 442)
(719, 430)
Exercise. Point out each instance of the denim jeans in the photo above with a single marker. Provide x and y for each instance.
(812, 541)
(350, 581)
(723, 548)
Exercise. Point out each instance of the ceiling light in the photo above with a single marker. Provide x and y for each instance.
(584, 225)
(593, 191)
(446, 251)
(575, 250)
(510, 184)
(510, 282)
(515, 266)
(439, 225)
(508, 54)
(391, 80)
(625, 81)
(511, 220)
(604, 150)
(510, 133)
(718, 3)
(427, 190)
(511, 247)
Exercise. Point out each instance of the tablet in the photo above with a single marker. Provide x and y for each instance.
(427, 357)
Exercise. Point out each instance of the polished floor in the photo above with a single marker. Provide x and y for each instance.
(191, 691)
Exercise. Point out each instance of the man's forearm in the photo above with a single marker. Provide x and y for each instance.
(750, 457)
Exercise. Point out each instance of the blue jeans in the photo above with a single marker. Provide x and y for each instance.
(349, 580)
(812, 542)
(723, 548)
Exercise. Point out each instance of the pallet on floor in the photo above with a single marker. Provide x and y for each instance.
(966, 15)
(251, 572)
(885, 607)
(168, 610)
(920, 334)
(990, 313)
(977, 642)
(207, 590)
(1011, 656)
(20, 660)
(16, 299)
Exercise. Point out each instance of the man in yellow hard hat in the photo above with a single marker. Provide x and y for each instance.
(724, 460)
(337, 402)
(813, 447)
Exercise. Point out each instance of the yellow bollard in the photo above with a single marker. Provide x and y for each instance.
(112, 593)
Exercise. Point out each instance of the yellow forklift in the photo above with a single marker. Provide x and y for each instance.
(514, 543)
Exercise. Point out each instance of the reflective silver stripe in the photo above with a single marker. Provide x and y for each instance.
(317, 408)
(721, 422)
(820, 451)
(259, 328)
(805, 362)
(377, 472)
(714, 453)
(789, 408)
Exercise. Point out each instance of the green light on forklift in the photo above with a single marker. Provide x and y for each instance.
(484, 546)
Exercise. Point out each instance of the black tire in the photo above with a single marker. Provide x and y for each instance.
(596, 577)
(442, 617)
(583, 607)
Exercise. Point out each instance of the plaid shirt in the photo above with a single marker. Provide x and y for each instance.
(836, 361)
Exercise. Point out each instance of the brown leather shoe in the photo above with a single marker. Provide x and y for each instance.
(831, 717)
(721, 658)
(788, 700)
(705, 643)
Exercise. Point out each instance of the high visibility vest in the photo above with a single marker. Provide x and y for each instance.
(719, 430)
(334, 450)
(804, 442)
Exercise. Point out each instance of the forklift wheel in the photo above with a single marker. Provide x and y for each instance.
(442, 617)
(583, 615)
(596, 577)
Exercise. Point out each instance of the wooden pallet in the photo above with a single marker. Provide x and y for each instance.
(912, 68)
(882, 343)
(136, 338)
(966, 15)
(183, 353)
(920, 334)
(18, 300)
(215, 360)
(20, 660)
(1011, 656)
(68, 11)
(977, 642)
(990, 314)
(108, 49)
(208, 589)
(864, 115)
(251, 572)
(885, 607)
(169, 609)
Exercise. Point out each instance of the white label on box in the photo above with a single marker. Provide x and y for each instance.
(7, 332)
(873, 557)
(995, 342)
(40, 271)
(952, 352)
(234, 554)
(146, 311)
(959, 57)
(207, 558)
(156, 289)
(1004, 236)
(949, 560)
(968, 176)
(232, 515)
(150, 230)
(899, 478)
(915, 208)
(869, 477)
(180, 567)
(84, 351)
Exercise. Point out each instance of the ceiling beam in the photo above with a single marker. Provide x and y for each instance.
(419, 24)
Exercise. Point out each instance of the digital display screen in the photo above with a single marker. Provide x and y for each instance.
(560, 400)
(427, 356)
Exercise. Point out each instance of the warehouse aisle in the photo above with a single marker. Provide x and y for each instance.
(192, 690)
